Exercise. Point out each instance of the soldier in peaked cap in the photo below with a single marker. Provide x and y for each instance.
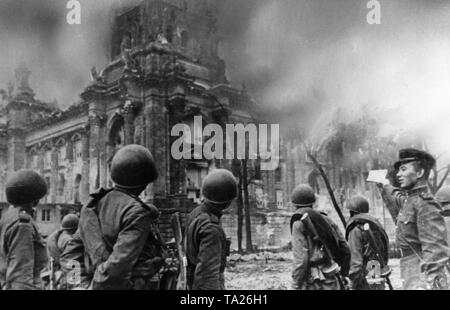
(421, 231)
(311, 262)
(206, 244)
(22, 249)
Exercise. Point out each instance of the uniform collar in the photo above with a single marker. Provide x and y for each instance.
(417, 189)
(210, 209)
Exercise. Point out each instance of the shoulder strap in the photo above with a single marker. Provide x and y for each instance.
(141, 203)
(296, 217)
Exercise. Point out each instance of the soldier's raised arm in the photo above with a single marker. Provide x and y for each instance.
(393, 199)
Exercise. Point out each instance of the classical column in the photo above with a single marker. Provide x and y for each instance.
(128, 127)
(156, 136)
(85, 169)
(177, 174)
(53, 174)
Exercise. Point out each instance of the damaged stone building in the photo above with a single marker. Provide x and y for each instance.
(164, 69)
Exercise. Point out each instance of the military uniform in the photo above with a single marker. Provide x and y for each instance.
(206, 254)
(117, 239)
(206, 243)
(443, 197)
(421, 235)
(362, 252)
(22, 251)
(309, 257)
(56, 244)
(133, 241)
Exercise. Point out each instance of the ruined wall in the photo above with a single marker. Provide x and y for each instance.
(270, 230)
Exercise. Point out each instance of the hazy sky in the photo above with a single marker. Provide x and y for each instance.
(315, 54)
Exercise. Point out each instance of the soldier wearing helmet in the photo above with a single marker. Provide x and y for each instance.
(57, 243)
(123, 247)
(310, 270)
(421, 233)
(22, 249)
(206, 244)
(362, 247)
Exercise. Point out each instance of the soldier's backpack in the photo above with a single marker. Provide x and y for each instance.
(326, 233)
(52, 246)
(382, 239)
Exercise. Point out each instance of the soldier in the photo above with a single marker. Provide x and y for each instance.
(316, 245)
(421, 232)
(118, 230)
(206, 244)
(56, 244)
(22, 249)
(365, 246)
(443, 197)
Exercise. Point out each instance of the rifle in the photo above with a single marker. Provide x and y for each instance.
(327, 183)
(333, 269)
(176, 226)
(385, 270)
(52, 274)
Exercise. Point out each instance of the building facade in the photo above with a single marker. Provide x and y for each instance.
(164, 69)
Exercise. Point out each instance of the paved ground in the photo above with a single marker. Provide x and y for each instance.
(272, 271)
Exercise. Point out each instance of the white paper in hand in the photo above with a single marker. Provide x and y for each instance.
(378, 176)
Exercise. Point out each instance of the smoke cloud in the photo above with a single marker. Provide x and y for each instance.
(322, 56)
(313, 56)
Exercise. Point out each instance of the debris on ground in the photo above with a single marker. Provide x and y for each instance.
(272, 271)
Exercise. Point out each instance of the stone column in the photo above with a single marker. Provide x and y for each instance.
(96, 150)
(85, 181)
(177, 174)
(156, 141)
(128, 126)
(54, 174)
(16, 149)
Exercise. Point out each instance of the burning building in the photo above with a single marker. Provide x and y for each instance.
(164, 69)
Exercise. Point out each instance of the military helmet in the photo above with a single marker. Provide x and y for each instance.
(70, 222)
(303, 196)
(358, 204)
(25, 186)
(443, 195)
(219, 186)
(133, 166)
